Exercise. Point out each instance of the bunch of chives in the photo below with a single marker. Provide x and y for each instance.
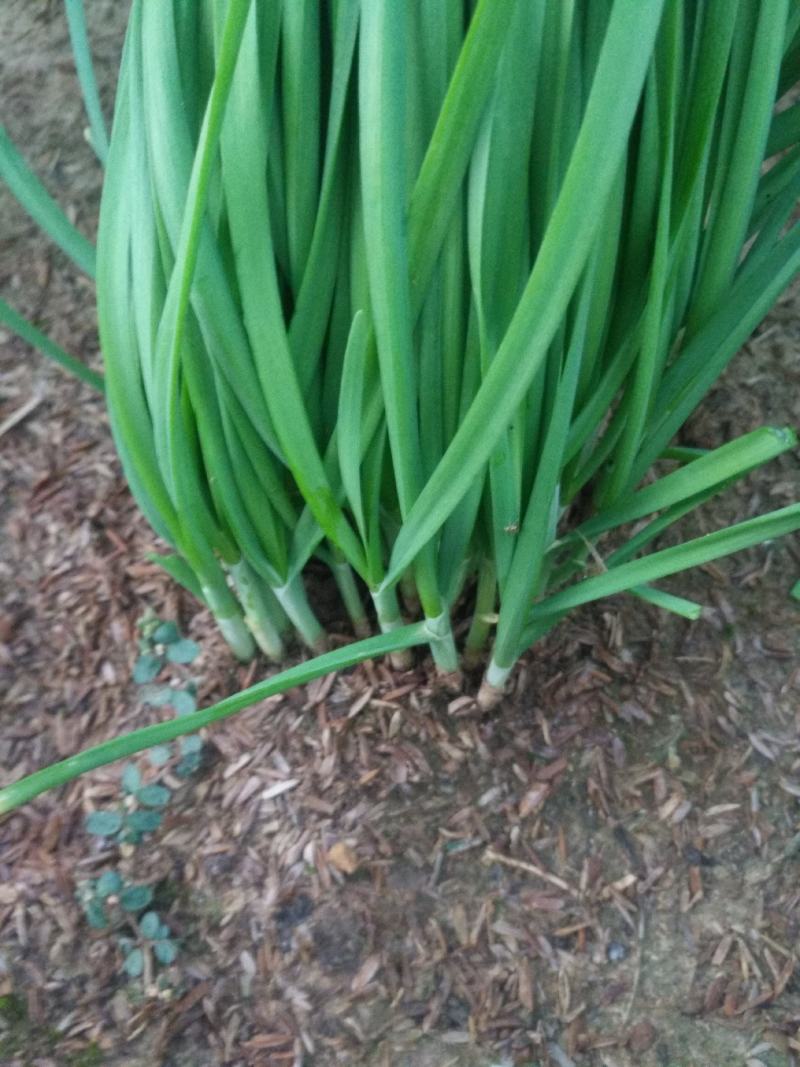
(392, 285)
(425, 291)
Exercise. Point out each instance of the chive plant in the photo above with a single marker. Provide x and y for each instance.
(426, 292)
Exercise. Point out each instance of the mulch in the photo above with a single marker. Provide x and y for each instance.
(370, 867)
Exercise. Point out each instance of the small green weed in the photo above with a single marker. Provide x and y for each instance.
(141, 810)
(12, 1009)
(91, 1056)
(161, 644)
(112, 903)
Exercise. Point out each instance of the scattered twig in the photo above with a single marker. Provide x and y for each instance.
(21, 413)
(508, 861)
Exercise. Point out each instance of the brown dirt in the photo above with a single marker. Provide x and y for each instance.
(369, 872)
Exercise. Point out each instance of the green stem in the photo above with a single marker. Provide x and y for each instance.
(258, 611)
(485, 600)
(345, 580)
(390, 621)
(408, 587)
(292, 598)
(20, 792)
(230, 621)
(79, 36)
(387, 609)
(443, 646)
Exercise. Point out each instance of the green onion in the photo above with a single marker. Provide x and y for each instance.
(79, 36)
(388, 286)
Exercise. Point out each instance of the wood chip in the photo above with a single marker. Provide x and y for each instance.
(279, 788)
(343, 858)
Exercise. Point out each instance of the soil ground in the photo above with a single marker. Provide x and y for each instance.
(604, 873)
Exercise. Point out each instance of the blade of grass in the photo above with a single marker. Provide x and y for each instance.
(349, 422)
(677, 605)
(697, 367)
(436, 190)
(42, 208)
(300, 83)
(729, 225)
(79, 36)
(713, 468)
(542, 510)
(28, 332)
(587, 184)
(310, 315)
(20, 792)
(383, 67)
(669, 561)
(244, 170)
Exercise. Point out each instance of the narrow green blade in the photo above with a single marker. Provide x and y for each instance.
(42, 208)
(28, 332)
(79, 35)
(20, 792)
(601, 143)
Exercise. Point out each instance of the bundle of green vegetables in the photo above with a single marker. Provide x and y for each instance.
(426, 290)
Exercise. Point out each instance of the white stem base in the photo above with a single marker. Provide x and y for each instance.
(493, 686)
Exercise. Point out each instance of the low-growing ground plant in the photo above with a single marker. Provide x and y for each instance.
(425, 293)
(161, 644)
(116, 906)
(111, 902)
(140, 809)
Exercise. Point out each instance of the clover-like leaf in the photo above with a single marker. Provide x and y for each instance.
(150, 925)
(183, 651)
(103, 823)
(133, 965)
(96, 914)
(108, 884)
(146, 668)
(165, 951)
(183, 702)
(131, 778)
(166, 633)
(135, 897)
(157, 696)
(144, 822)
(153, 796)
(191, 744)
(159, 755)
(188, 765)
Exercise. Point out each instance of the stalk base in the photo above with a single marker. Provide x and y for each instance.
(489, 696)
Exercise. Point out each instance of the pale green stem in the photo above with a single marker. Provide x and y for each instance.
(387, 609)
(408, 587)
(257, 610)
(292, 598)
(345, 580)
(482, 620)
(443, 646)
(230, 622)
